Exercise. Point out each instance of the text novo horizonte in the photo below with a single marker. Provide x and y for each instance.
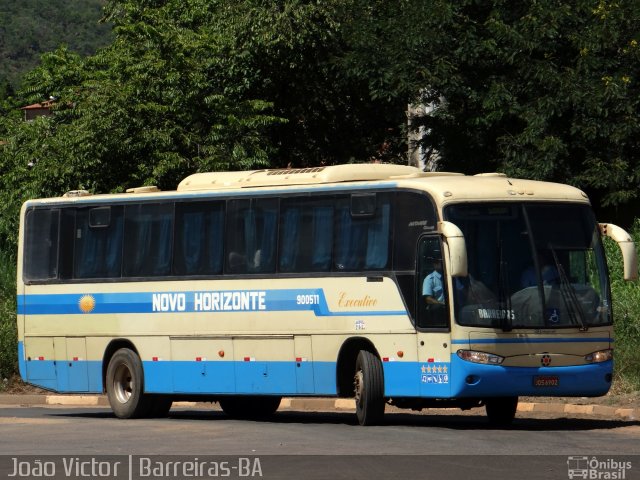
(210, 301)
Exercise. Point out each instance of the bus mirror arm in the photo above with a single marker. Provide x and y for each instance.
(457, 248)
(627, 247)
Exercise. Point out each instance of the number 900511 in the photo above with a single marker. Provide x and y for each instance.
(308, 299)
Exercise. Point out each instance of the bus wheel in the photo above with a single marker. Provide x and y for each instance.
(369, 389)
(125, 389)
(250, 406)
(502, 410)
(265, 406)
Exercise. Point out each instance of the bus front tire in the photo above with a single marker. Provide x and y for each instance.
(125, 385)
(369, 389)
(501, 410)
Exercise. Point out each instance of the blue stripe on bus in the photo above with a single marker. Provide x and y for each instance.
(187, 302)
(491, 341)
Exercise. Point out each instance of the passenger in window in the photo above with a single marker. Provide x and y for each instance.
(548, 271)
(432, 287)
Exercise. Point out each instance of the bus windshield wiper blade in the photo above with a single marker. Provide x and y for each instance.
(574, 307)
(504, 301)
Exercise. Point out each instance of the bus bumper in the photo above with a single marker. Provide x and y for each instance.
(480, 381)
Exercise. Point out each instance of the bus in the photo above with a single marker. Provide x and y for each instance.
(376, 282)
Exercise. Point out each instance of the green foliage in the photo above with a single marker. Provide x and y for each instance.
(192, 86)
(30, 27)
(626, 310)
(8, 330)
(540, 89)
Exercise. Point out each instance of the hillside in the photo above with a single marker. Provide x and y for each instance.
(29, 28)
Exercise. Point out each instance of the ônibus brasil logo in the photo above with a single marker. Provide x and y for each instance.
(592, 468)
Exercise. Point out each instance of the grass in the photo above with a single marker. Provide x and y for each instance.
(626, 314)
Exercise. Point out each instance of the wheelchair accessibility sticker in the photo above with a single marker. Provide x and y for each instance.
(553, 315)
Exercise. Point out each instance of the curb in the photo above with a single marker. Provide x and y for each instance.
(324, 404)
(630, 414)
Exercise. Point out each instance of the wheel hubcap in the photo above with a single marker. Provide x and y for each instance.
(357, 386)
(122, 383)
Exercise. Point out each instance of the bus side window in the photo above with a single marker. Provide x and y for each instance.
(306, 235)
(363, 239)
(251, 233)
(98, 242)
(41, 244)
(199, 238)
(148, 239)
(432, 288)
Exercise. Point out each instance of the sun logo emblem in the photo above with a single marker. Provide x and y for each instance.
(87, 303)
(545, 360)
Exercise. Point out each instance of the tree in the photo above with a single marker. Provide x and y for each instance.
(536, 88)
(32, 27)
(286, 52)
(540, 89)
(192, 86)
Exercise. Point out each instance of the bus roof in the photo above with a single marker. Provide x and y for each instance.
(295, 176)
(445, 187)
(495, 187)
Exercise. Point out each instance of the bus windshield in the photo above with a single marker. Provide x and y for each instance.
(531, 266)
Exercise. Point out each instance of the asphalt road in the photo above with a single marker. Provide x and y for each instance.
(310, 445)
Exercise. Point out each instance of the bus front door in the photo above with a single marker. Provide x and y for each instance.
(432, 323)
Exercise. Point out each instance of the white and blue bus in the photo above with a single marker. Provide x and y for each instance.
(375, 282)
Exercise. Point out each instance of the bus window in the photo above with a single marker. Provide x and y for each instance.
(251, 235)
(98, 242)
(362, 241)
(306, 239)
(147, 239)
(414, 215)
(199, 238)
(41, 244)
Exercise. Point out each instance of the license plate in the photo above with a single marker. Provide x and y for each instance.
(546, 381)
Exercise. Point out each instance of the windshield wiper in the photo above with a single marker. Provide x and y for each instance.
(504, 300)
(569, 295)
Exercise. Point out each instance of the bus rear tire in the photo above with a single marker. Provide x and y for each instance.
(250, 406)
(369, 389)
(501, 410)
(125, 385)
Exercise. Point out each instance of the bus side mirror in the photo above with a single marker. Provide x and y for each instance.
(454, 238)
(627, 247)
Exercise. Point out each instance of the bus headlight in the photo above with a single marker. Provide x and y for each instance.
(600, 356)
(480, 357)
